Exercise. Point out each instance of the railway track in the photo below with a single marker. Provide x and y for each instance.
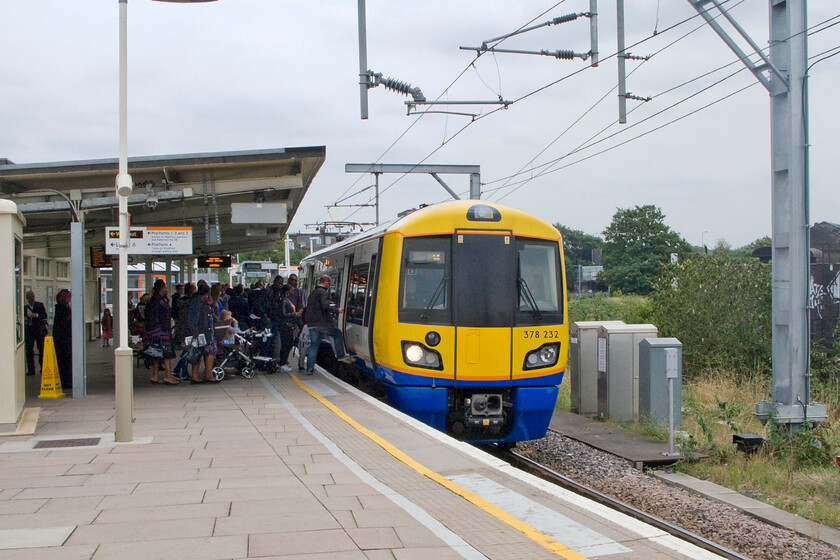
(554, 477)
(736, 529)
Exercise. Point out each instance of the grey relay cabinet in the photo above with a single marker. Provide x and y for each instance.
(583, 365)
(660, 359)
(618, 370)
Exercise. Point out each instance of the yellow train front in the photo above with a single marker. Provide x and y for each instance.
(460, 310)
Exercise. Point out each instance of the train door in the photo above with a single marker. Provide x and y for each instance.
(355, 331)
(341, 284)
(370, 305)
(483, 289)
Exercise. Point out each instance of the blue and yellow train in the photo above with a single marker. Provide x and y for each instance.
(459, 310)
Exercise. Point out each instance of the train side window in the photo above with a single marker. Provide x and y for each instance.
(356, 296)
(425, 284)
(335, 287)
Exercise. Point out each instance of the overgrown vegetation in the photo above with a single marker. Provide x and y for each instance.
(796, 473)
(603, 307)
(718, 305)
(719, 308)
(712, 303)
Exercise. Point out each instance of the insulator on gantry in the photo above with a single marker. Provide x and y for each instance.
(565, 19)
(404, 88)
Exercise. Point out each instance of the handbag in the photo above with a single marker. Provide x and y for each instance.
(192, 354)
(153, 351)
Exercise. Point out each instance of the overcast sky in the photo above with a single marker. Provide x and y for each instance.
(258, 74)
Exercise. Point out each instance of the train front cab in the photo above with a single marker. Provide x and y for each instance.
(470, 333)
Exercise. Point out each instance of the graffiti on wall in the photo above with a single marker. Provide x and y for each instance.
(824, 300)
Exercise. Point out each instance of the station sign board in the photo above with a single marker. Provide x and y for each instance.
(222, 261)
(259, 213)
(98, 258)
(151, 241)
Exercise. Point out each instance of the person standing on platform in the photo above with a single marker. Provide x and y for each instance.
(63, 338)
(289, 327)
(157, 334)
(107, 327)
(179, 293)
(296, 297)
(215, 299)
(179, 313)
(36, 330)
(201, 326)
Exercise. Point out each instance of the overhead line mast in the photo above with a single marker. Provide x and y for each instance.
(784, 75)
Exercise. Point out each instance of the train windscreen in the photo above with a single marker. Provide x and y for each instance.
(424, 281)
(480, 279)
(539, 282)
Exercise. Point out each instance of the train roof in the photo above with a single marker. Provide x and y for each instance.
(446, 217)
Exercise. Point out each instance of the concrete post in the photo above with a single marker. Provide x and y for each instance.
(77, 318)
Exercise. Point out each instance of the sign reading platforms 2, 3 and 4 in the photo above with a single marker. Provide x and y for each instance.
(151, 241)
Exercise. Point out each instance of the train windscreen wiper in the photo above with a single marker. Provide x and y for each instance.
(438, 291)
(525, 292)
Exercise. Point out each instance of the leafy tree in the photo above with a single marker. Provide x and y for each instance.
(723, 247)
(719, 308)
(637, 245)
(577, 249)
(276, 255)
(297, 255)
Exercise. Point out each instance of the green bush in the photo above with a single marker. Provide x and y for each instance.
(601, 307)
(719, 308)
(811, 447)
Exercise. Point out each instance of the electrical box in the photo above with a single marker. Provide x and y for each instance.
(583, 365)
(660, 361)
(618, 370)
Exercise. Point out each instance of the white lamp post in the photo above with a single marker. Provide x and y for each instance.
(123, 369)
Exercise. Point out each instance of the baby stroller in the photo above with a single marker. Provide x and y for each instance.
(261, 353)
(234, 352)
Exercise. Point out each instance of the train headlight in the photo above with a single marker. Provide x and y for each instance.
(544, 356)
(548, 354)
(414, 354)
(418, 355)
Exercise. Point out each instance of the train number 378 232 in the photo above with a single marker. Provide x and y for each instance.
(542, 334)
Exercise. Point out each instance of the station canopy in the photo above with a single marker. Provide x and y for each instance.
(194, 190)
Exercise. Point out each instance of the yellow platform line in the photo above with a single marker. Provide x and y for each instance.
(540, 538)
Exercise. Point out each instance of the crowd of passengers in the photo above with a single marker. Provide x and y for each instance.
(200, 318)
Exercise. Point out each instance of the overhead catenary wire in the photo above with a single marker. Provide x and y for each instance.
(397, 180)
(420, 114)
(643, 134)
(587, 144)
(601, 100)
(674, 26)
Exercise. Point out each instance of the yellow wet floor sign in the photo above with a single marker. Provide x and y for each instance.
(50, 380)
